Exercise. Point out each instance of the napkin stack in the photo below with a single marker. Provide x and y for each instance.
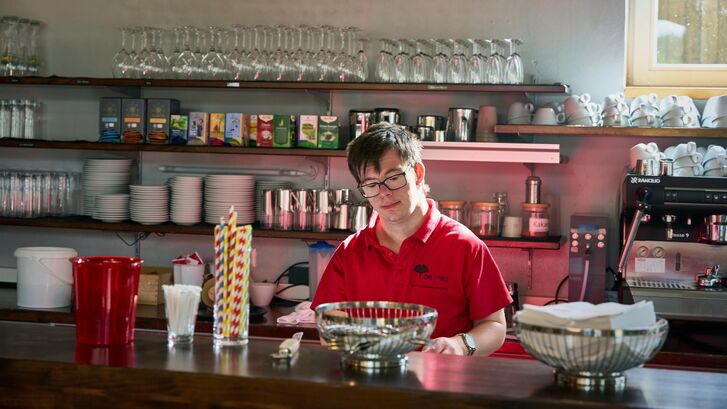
(586, 315)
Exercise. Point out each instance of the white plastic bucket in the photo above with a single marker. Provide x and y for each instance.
(45, 276)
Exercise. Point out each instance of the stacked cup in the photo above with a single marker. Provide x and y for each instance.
(579, 110)
(615, 111)
(687, 159)
(644, 158)
(714, 163)
(520, 113)
(678, 112)
(714, 114)
(645, 111)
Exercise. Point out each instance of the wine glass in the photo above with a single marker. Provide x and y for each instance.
(440, 62)
(495, 66)
(122, 61)
(421, 70)
(514, 72)
(361, 67)
(385, 65)
(215, 63)
(458, 64)
(478, 62)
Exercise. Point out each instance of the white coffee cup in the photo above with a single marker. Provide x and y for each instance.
(547, 116)
(718, 172)
(520, 120)
(649, 100)
(614, 99)
(518, 109)
(650, 121)
(683, 149)
(695, 170)
(512, 226)
(261, 294)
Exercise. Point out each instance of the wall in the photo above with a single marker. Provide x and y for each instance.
(577, 42)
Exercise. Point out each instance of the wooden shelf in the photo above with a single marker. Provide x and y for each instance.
(233, 150)
(87, 223)
(567, 130)
(444, 151)
(556, 88)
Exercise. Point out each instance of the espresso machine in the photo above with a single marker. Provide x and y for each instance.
(673, 242)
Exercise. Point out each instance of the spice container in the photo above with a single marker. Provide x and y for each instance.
(484, 219)
(454, 209)
(535, 219)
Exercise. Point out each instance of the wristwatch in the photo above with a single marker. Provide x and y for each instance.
(469, 343)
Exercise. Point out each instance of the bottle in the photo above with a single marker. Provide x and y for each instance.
(503, 207)
(532, 189)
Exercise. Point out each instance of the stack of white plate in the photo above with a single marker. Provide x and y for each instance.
(149, 204)
(223, 191)
(112, 208)
(102, 177)
(186, 208)
(262, 185)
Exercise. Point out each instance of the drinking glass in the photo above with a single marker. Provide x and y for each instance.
(361, 67)
(161, 66)
(122, 62)
(478, 62)
(324, 57)
(514, 73)
(32, 62)
(458, 64)
(215, 64)
(421, 70)
(344, 62)
(495, 65)
(385, 65)
(257, 57)
(440, 62)
(402, 61)
(10, 54)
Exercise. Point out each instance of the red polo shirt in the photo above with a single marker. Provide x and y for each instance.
(443, 265)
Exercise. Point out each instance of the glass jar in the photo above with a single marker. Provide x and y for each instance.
(29, 119)
(17, 118)
(484, 219)
(5, 115)
(454, 209)
(535, 219)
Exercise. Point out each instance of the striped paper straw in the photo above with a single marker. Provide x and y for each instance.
(246, 254)
(237, 302)
(225, 279)
(220, 230)
(232, 241)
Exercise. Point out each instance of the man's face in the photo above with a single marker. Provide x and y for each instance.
(393, 205)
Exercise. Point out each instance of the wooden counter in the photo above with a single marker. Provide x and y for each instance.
(41, 367)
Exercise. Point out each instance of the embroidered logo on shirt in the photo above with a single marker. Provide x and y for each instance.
(426, 279)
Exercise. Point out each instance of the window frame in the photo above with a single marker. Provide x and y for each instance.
(644, 75)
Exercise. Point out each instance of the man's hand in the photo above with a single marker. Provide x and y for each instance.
(443, 345)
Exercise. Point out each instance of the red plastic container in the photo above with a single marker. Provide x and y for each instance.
(106, 292)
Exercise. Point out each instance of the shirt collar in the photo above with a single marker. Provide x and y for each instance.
(431, 220)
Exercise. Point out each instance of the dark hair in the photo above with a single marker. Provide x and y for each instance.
(370, 146)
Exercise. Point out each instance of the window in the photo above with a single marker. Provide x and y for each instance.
(677, 43)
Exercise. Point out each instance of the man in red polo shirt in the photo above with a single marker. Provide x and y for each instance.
(411, 253)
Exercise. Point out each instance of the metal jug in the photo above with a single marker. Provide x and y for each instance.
(283, 210)
(322, 210)
(359, 217)
(301, 207)
(461, 124)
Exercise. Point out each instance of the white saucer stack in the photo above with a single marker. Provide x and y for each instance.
(186, 208)
(223, 191)
(112, 208)
(149, 204)
(103, 177)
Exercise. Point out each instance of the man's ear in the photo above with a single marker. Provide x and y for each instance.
(419, 171)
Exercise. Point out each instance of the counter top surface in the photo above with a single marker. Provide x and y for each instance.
(47, 354)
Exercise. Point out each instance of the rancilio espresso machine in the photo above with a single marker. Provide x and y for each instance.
(676, 229)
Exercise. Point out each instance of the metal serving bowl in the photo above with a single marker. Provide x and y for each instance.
(592, 359)
(375, 334)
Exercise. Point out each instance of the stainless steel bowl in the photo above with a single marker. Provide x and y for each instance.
(592, 359)
(375, 334)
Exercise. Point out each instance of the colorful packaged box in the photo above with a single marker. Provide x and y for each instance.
(265, 130)
(178, 129)
(109, 120)
(328, 132)
(308, 131)
(236, 129)
(198, 128)
(284, 131)
(158, 112)
(217, 129)
(252, 131)
(133, 120)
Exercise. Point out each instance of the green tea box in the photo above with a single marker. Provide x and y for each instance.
(178, 129)
(236, 129)
(284, 131)
(252, 130)
(110, 120)
(158, 112)
(217, 129)
(133, 120)
(198, 128)
(265, 130)
(328, 132)
(308, 131)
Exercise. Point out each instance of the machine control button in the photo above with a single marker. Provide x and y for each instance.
(574, 236)
(601, 236)
(642, 251)
(588, 236)
(574, 243)
(708, 196)
(600, 244)
(658, 252)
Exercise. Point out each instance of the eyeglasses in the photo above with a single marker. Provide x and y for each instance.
(393, 182)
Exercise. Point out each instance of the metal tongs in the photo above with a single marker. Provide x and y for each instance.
(288, 348)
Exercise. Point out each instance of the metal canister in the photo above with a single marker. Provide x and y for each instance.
(321, 210)
(267, 214)
(359, 217)
(283, 210)
(532, 189)
(359, 122)
(301, 206)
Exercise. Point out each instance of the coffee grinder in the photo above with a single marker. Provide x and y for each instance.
(672, 244)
